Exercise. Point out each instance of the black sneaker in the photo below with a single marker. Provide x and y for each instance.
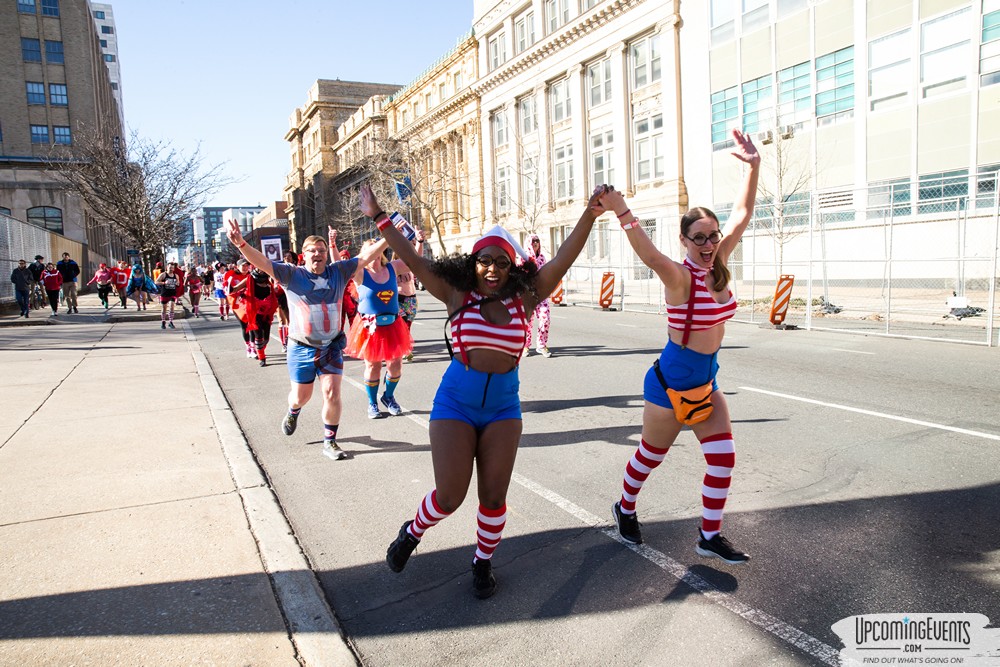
(484, 584)
(628, 524)
(719, 547)
(163, 325)
(399, 551)
(289, 423)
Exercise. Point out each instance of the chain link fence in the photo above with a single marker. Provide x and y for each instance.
(917, 260)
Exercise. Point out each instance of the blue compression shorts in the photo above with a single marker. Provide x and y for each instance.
(477, 398)
(682, 368)
(220, 294)
(305, 363)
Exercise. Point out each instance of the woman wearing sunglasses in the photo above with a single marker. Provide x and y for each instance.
(680, 388)
(476, 418)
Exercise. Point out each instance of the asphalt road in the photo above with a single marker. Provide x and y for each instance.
(867, 481)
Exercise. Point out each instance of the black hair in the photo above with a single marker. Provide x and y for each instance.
(459, 271)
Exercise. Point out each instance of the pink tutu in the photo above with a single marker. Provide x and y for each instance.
(378, 343)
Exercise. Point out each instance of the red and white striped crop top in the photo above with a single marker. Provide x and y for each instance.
(708, 312)
(469, 330)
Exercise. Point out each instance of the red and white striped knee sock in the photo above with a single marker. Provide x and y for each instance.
(429, 514)
(283, 334)
(720, 455)
(643, 462)
(491, 523)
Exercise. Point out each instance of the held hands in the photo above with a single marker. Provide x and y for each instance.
(596, 205)
(369, 206)
(745, 151)
(612, 200)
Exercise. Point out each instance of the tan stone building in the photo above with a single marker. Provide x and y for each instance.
(312, 134)
(54, 86)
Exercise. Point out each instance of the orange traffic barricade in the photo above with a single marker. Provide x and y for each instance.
(782, 295)
(607, 290)
(557, 295)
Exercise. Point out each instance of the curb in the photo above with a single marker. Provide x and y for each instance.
(312, 627)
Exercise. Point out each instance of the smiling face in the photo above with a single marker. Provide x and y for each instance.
(314, 251)
(491, 279)
(700, 224)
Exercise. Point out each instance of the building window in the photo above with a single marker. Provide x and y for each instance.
(50, 7)
(31, 50)
(944, 52)
(107, 30)
(889, 199)
(556, 14)
(835, 83)
(104, 43)
(562, 106)
(722, 21)
(602, 168)
(442, 92)
(46, 217)
(429, 100)
(562, 157)
(503, 189)
(526, 114)
(590, 4)
(755, 14)
(794, 94)
(39, 134)
(531, 192)
(944, 191)
(645, 55)
(61, 135)
(26, 6)
(54, 52)
(456, 81)
(109, 57)
(989, 53)
(499, 121)
(986, 185)
(724, 111)
(889, 70)
(649, 159)
(99, 15)
(4, 210)
(114, 85)
(757, 104)
(405, 117)
(599, 81)
(36, 92)
(524, 32)
(58, 96)
(498, 51)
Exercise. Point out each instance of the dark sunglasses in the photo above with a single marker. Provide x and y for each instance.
(487, 261)
(700, 239)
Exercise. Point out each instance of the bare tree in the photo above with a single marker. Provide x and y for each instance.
(525, 211)
(426, 172)
(783, 190)
(141, 189)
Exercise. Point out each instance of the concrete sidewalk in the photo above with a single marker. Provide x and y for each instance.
(135, 525)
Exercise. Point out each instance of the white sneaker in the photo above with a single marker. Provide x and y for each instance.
(544, 351)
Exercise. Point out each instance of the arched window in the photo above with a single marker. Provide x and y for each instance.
(4, 210)
(46, 217)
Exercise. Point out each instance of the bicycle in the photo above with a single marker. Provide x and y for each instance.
(36, 298)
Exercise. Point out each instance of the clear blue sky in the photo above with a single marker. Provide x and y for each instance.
(229, 73)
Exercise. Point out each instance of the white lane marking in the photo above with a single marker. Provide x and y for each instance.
(872, 413)
(802, 641)
(840, 349)
(788, 633)
(627, 326)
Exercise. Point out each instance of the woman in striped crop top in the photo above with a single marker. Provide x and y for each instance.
(699, 302)
(476, 418)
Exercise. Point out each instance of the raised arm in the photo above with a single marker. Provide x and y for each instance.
(742, 211)
(365, 257)
(668, 270)
(553, 270)
(254, 256)
(418, 264)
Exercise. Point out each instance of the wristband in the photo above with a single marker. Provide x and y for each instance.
(242, 245)
(623, 213)
(629, 225)
(384, 222)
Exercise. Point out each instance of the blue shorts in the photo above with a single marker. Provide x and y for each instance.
(220, 294)
(305, 362)
(477, 398)
(682, 368)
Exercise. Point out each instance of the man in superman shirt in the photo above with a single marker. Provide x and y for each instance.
(315, 335)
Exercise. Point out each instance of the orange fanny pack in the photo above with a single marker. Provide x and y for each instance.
(691, 406)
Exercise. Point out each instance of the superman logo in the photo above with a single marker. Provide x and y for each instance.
(385, 296)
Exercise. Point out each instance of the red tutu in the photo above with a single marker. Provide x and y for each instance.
(378, 343)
